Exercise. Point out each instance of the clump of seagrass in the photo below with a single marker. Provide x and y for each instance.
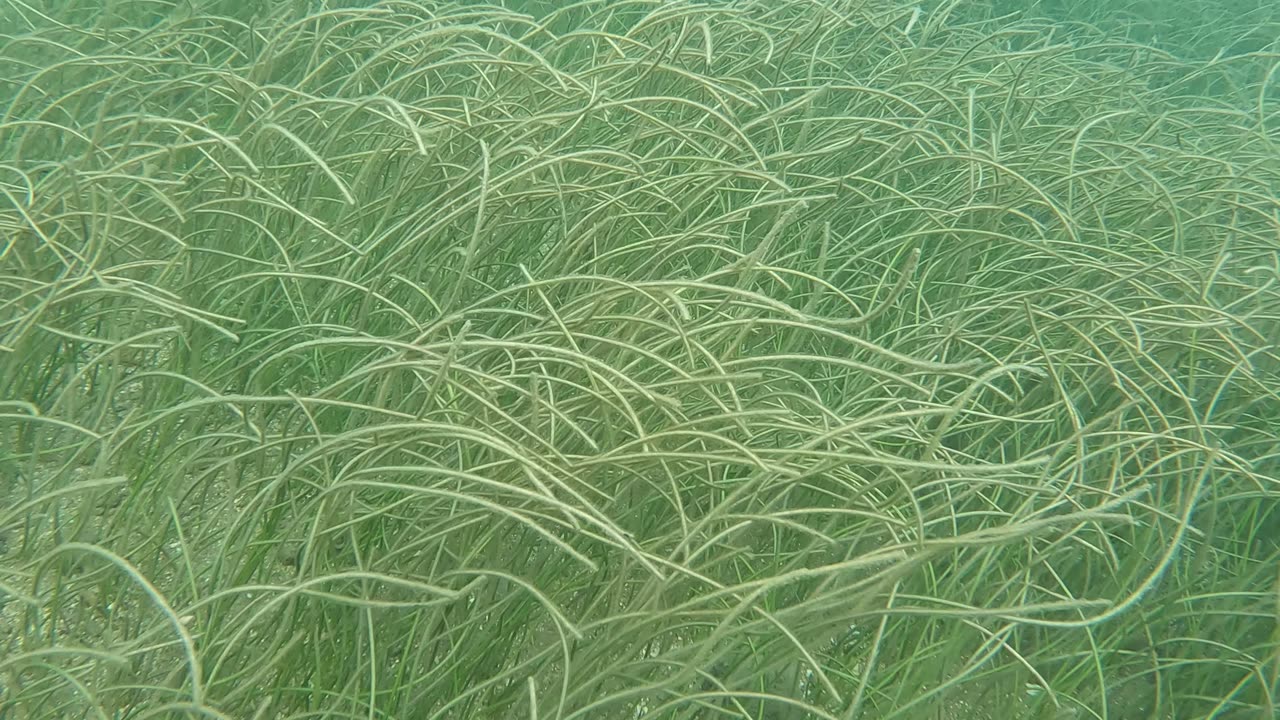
(765, 359)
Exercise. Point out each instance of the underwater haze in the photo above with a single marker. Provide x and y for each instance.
(639, 359)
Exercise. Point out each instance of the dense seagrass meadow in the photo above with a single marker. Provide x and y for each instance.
(772, 359)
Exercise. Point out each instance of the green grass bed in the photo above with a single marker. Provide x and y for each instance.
(773, 359)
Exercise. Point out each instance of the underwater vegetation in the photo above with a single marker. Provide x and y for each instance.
(774, 359)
